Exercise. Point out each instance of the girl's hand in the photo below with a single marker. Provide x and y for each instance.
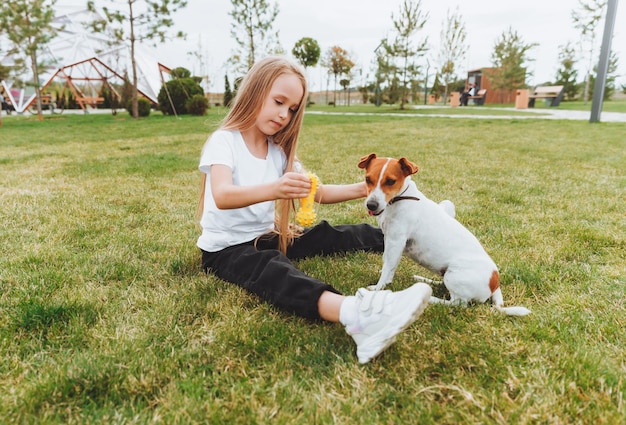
(293, 186)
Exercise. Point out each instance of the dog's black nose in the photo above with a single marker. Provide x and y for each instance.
(372, 205)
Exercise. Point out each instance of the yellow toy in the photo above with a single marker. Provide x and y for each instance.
(305, 216)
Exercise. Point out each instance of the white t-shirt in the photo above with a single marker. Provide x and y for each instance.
(224, 228)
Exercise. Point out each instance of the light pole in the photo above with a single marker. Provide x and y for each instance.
(603, 64)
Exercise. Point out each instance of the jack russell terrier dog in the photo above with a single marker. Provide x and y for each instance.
(428, 233)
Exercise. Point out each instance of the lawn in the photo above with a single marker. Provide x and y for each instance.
(105, 316)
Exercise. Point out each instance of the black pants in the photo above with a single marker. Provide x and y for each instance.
(263, 270)
(464, 98)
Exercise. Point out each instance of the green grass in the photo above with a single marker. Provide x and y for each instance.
(106, 318)
(617, 105)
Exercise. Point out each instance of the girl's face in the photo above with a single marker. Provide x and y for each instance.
(281, 104)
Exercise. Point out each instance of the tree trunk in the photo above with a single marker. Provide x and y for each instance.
(135, 106)
(33, 60)
(327, 84)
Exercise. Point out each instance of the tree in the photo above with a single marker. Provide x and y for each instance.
(452, 48)
(388, 88)
(611, 76)
(509, 58)
(586, 19)
(381, 74)
(201, 56)
(228, 94)
(566, 75)
(253, 20)
(27, 25)
(126, 91)
(345, 84)
(138, 21)
(402, 51)
(438, 89)
(338, 62)
(365, 92)
(306, 51)
(4, 70)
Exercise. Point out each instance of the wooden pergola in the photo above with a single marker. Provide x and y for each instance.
(86, 79)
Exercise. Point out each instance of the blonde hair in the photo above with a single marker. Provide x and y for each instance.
(251, 95)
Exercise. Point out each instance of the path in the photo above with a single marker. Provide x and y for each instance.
(548, 114)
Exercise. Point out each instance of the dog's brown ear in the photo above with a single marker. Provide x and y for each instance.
(363, 162)
(408, 167)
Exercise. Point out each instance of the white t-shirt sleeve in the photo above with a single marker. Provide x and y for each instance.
(217, 150)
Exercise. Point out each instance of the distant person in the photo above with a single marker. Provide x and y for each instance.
(472, 91)
(5, 105)
(251, 178)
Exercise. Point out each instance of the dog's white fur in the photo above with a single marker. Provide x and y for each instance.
(428, 233)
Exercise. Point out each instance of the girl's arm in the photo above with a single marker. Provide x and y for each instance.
(230, 196)
(333, 193)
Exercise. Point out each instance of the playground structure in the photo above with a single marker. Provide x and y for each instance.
(89, 64)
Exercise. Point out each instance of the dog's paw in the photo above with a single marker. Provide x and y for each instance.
(435, 300)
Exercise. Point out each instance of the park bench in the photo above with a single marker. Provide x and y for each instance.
(46, 104)
(91, 101)
(479, 98)
(553, 93)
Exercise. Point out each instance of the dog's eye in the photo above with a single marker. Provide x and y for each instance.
(368, 180)
(390, 182)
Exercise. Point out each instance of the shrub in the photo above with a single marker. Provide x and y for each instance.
(106, 95)
(66, 100)
(143, 107)
(180, 91)
(180, 72)
(197, 105)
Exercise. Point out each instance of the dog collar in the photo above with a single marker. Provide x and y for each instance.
(402, 198)
(396, 199)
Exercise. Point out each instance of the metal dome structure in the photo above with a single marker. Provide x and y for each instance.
(84, 62)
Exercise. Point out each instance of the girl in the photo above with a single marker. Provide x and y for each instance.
(250, 180)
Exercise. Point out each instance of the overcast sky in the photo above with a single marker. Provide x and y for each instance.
(359, 25)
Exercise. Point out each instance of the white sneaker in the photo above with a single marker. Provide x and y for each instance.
(384, 314)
